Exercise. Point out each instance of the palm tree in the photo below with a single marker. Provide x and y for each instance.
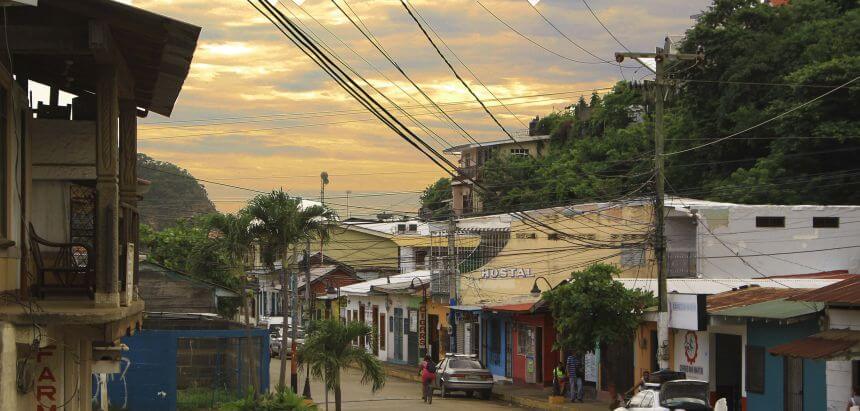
(234, 233)
(281, 224)
(328, 349)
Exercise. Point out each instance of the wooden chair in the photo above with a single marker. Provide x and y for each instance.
(72, 266)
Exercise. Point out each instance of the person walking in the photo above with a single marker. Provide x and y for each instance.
(427, 371)
(574, 376)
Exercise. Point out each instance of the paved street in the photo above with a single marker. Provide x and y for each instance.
(397, 394)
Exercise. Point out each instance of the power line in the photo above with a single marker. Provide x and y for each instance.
(774, 118)
(570, 40)
(604, 26)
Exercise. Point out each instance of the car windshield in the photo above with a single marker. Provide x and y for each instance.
(691, 395)
(465, 364)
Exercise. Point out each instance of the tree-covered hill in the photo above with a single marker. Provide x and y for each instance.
(765, 71)
(174, 193)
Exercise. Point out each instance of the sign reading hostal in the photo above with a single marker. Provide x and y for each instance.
(692, 354)
(504, 273)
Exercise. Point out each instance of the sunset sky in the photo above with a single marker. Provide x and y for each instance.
(257, 113)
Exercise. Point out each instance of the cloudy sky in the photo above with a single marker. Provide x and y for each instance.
(257, 113)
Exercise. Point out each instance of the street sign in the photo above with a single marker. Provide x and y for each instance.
(422, 326)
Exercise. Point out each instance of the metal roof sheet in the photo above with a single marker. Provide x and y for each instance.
(780, 309)
(748, 296)
(716, 286)
(363, 288)
(843, 292)
(824, 345)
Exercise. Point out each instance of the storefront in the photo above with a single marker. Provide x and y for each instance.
(533, 355)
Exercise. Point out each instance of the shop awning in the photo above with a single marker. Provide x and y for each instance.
(780, 309)
(465, 308)
(822, 346)
(512, 308)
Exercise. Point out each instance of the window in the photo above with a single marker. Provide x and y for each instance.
(464, 364)
(632, 255)
(525, 340)
(381, 331)
(553, 236)
(413, 227)
(755, 369)
(401, 228)
(825, 222)
(525, 236)
(770, 222)
(522, 152)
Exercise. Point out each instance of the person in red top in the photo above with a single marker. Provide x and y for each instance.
(427, 370)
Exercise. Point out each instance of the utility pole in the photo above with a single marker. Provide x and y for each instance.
(348, 192)
(308, 310)
(323, 182)
(294, 376)
(452, 281)
(661, 57)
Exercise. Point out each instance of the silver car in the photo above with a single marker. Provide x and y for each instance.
(459, 372)
(688, 395)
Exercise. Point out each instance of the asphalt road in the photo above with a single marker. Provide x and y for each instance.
(397, 394)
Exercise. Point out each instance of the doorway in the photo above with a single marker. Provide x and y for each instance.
(653, 351)
(397, 329)
(433, 332)
(539, 355)
(793, 390)
(377, 336)
(728, 365)
(509, 350)
(362, 339)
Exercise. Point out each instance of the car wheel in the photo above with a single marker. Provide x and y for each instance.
(443, 390)
(486, 394)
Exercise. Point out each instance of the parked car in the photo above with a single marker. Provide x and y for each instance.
(459, 372)
(278, 344)
(686, 395)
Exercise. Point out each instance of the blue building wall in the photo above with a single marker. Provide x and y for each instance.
(147, 378)
(771, 334)
(496, 357)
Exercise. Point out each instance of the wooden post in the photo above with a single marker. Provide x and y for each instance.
(107, 188)
(128, 189)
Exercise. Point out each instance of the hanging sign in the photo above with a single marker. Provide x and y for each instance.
(505, 273)
(688, 312)
(422, 326)
(691, 353)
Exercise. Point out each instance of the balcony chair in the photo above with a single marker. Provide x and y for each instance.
(72, 266)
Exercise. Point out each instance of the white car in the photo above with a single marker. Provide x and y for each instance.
(678, 395)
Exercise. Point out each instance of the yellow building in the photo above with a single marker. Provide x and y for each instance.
(552, 243)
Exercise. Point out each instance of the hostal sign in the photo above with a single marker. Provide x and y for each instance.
(503, 273)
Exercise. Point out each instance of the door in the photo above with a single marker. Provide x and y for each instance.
(509, 351)
(653, 351)
(377, 334)
(539, 355)
(433, 333)
(412, 338)
(793, 391)
(728, 366)
(397, 329)
(363, 339)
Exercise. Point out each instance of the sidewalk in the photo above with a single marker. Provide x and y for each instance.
(528, 397)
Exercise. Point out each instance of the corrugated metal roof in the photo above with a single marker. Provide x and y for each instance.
(843, 292)
(824, 345)
(834, 274)
(748, 296)
(716, 286)
(363, 288)
(780, 309)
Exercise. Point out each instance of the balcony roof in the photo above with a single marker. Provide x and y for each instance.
(55, 43)
(519, 139)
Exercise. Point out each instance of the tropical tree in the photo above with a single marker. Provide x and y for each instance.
(436, 199)
(233, 233)
(328, 349)
(281, 224)
(593, 309)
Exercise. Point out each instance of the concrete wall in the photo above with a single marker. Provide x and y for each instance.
(838, 373)
(361, 250)
(768, 335)
(736, 226)
(556, 259)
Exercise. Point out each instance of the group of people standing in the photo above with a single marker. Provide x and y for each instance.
(569, 374)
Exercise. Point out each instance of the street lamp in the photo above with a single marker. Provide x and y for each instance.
(536, 290)
(422, 322)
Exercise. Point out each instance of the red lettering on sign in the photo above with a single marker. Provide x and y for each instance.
(45, 391)
(47, 375)
(45, 352)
